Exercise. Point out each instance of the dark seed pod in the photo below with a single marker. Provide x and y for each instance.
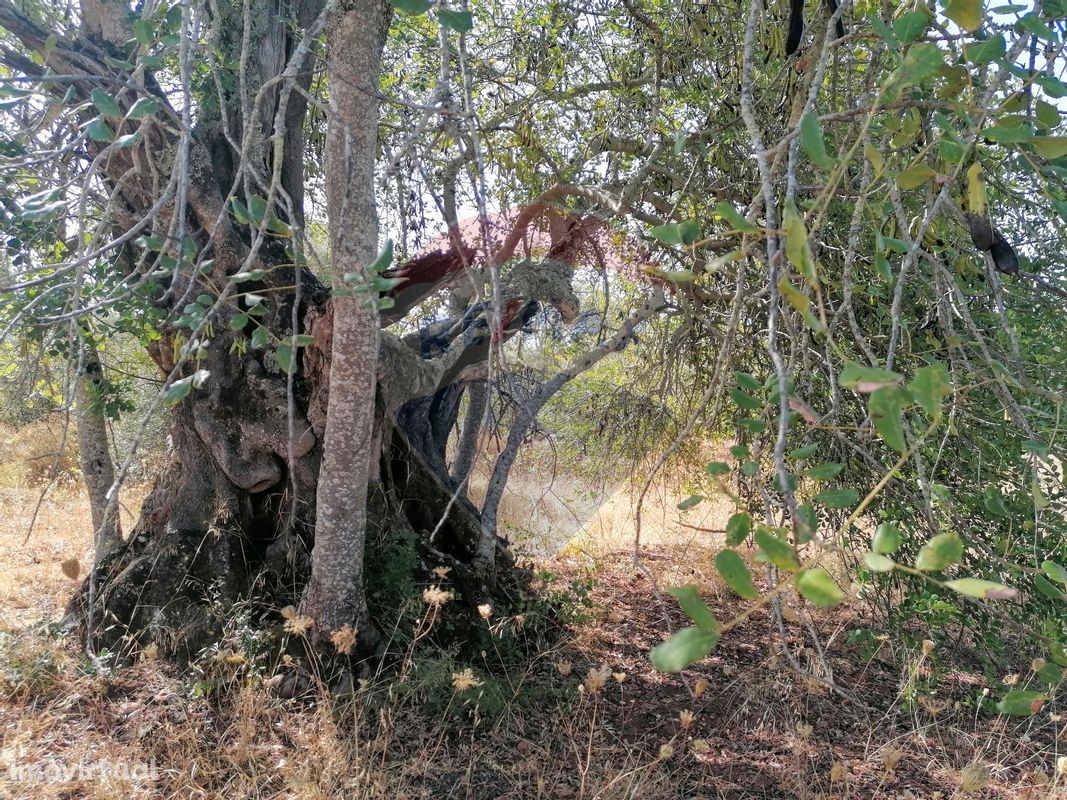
(981, 230)
(1004, 256)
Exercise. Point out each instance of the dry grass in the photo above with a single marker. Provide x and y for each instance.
(739, 725)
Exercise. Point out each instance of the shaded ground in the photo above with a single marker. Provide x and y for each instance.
(586, 717)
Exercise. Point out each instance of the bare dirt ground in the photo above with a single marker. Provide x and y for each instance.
(585, 717)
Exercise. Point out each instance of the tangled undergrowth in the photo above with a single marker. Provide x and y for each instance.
(587, 716)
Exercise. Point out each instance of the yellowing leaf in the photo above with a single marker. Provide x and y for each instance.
(975, 189)
(983, 590)
(1050, 147)
(965, 13)
(915, 176)
(818, 587)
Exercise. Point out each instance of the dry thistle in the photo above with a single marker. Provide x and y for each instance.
(485, 611)
(462, 681)
(700, 687)
(700, 746)
(974, 777)
(564, 668)
(71, 568)
(838, 772)
(344, 639)
(804, 730)
(597, 679)
(618, 677)
(295, 623)
(686, 718)
(666, 751)
(891, 757)
(436, 596)
(441, 572)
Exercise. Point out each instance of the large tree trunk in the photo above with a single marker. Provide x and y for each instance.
(233, 515)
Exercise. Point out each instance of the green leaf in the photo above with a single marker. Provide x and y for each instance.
(143, 31)
(303, 340)
(413, 7)
(806, 524)
(686, 647)
(753, 425)
(384, 259)
(689, 599)
(929, 387)
(994, 502)
(99, 130)
(1052, 86)
(260, 338)
(886, 538)
(1034, 447)
(1049, 673)
(778, 552)
(801, 302)
(911, 27)
(1055, 571)
(967, 14)
(1008, 135)
(749, 468)
(145, 107)
(819, 588)
(668, 233)
(239, 321)
(986, 52)
(178, 390)
(1050, 147)
(1045, 588)
(240, 211)
(459, 21)
(797, 247)
(983, 590)
(824, 472)
(922, 61)
(739, 451)
(942, 551)
(733, 217)
(1022, 703)
(716, 468)
(876, 562)
(745, 401)
(286, 361)
(915, 176)
(800, 453)
(867, 380)
(887, 412)
(1047, 114)
(737, 528)
(689, 231)
(129, 140)
(837, 498)
(811, 139)
(689, 502)
(1035, 25)
(250, 275)
(105, 103)
(747, 382)
(735, 573)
